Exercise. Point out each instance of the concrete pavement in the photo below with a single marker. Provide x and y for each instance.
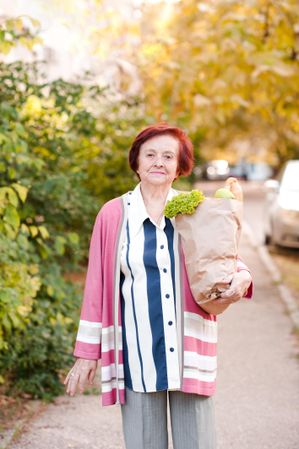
(257, 399)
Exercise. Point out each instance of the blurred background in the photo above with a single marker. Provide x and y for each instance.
(79, 79)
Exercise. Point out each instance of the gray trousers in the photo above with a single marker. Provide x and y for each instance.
(144, 417)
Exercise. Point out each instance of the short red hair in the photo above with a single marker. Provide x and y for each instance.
(186, 152)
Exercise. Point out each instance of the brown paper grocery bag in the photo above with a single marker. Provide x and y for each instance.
(210, 239)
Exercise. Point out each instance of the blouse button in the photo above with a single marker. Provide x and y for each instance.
(162, 247)
(170, 323)
(167, 295)
(171, 349)
(164, 269)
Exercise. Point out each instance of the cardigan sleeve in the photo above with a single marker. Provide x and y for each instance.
(88, 341)
(242, 266)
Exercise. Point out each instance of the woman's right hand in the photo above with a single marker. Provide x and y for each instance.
(83, 372)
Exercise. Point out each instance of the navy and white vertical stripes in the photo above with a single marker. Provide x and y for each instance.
(151, 359)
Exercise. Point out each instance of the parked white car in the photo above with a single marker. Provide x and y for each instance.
(282, 207)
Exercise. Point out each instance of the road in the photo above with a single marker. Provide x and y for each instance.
(257, 399)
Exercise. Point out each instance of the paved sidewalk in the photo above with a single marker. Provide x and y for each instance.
(257, 399)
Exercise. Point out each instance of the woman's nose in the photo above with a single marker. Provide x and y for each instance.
(159, 161)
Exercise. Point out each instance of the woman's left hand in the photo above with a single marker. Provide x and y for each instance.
(237, 289)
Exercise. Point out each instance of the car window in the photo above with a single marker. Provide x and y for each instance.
(290, 177)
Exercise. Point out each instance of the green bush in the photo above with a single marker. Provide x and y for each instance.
(63, 152)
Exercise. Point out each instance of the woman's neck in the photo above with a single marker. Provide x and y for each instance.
(154, 199)
(154, 195)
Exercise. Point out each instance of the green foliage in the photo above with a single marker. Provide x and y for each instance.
(39, 351)
(237, 94)
(63, 152)
(183, 203)
(14, 31)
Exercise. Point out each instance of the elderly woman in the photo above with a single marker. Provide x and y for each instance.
(138, 314)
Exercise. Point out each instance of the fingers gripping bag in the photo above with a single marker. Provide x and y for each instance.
(210, 230)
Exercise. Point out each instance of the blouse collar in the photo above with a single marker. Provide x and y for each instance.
(137, 212)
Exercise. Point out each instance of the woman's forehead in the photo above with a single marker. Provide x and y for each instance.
(163, 142)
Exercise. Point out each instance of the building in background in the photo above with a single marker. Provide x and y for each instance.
(69, 30)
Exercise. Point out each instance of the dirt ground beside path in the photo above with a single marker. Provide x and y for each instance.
(257, 398)
(74, 423)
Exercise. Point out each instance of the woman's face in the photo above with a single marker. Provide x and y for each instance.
(158, 160)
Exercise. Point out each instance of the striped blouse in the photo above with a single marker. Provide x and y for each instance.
(100, 333)
(148, 296)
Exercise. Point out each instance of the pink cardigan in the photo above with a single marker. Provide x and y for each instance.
(100, 329)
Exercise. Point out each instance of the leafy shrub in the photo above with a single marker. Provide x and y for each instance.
(63, 152)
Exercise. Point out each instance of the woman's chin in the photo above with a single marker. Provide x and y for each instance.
(157, 179)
